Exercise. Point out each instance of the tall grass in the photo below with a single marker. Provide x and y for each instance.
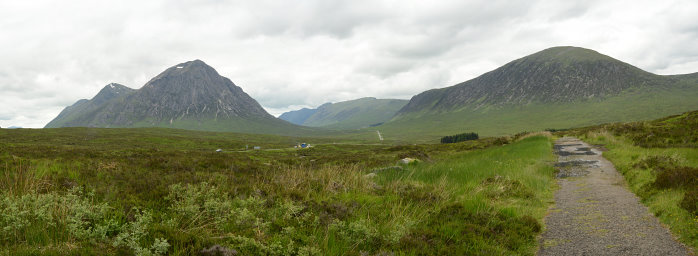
(21, 178)
(505, 188)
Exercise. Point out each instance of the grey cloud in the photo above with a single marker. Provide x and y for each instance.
(570, 9)
(429, 44)
(489, 14)
(308, 18)
(385, 68)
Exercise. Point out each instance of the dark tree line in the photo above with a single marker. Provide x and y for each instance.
(460, 137)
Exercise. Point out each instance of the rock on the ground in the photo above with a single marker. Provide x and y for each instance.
(218, 250)
(370, 175)
(407, 160)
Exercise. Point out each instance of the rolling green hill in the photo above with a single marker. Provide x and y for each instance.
(297, 116)
(560, 87)
(347, 115)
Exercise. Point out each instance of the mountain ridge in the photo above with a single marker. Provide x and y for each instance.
(298, 116)
(190, 95)
(347, 115)
(559, 87)
(558, 74)
(83, 107)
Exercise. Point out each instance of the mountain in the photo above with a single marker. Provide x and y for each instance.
(298, 116)
(190, 95)
(560, 74)
(74, 113)
(560, 87)
(347, 115)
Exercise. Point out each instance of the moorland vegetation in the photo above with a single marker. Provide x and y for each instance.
(154, 191)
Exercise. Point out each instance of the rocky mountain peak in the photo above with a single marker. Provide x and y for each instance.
(187, 72)
(568, 54)
(111, 91)
(193, 66)
(194, 89)
(190, 95)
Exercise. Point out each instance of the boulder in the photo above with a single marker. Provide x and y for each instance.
(407, 160)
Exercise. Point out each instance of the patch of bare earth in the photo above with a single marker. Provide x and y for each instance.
(595, 214)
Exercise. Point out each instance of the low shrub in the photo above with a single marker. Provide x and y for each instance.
(458, 230)
(673, 131)
(498, 186)
(657, 162)
(670, 172)
(690, 201)
(680, 176)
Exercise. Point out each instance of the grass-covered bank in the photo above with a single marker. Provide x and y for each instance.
(110, 194)
(492, 200)
(659, 160)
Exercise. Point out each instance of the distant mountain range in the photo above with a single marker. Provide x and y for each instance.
(298, 116)
(560, 87)
(190, 95)
(353, 114)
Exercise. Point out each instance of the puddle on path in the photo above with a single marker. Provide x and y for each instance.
(574, 168)
(580, 151)
(583, 153)
(578, 163)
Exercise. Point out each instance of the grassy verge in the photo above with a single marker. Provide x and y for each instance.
(114, 191)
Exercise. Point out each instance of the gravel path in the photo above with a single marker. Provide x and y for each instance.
(595, 214)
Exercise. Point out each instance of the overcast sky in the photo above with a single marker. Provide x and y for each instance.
(293, 54)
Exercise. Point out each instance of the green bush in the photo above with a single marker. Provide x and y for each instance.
(458, 230)
(135, 232)
(196, 206)
(690, 201)
(459, 137)
(679, 176)
(73, 216)
(673, 131)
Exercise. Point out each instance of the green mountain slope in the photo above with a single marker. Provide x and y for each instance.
(560, 87)
(190, 95)
(298, 116)
(353, 114)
